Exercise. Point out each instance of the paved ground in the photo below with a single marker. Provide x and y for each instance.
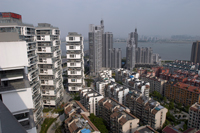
(59, 120)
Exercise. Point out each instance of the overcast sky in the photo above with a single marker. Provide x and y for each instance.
(151, 17)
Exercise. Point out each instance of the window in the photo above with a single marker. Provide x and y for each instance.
(72, 64)
(73, 88)
(21, 116)
(72, 55)
(71, 47)
(71, 38)
(73, 80)
(73, 72)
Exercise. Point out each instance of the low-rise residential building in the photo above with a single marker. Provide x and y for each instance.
(76, 119)
(117, 116)
(149, 112)
(194, 116)
(89, 99)
(121, 73)
(182, 93)
(156, 84)
(117, 92)
(138, 85)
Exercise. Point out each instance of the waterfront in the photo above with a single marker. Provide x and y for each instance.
(167, 51)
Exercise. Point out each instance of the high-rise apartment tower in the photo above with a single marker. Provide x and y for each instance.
(195, 53)
(49, 53)
(75, 61)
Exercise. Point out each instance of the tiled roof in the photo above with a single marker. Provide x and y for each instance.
(73, 127)
(169, 129)
(187, 87)
(193, 109)
(108, 105)
(68, 109)
(115, 114)
(122, 121)
(82, 107)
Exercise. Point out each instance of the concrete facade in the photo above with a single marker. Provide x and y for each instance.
(75, 61)
(49, 54)
(14, 30)
(95, 36)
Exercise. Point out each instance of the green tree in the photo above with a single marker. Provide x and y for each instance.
(99, 123)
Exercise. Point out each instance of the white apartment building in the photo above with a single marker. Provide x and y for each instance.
(17, 31)
(89, 99)
(156, 84)
(104, 77)
(50, 69)
(194, 116)
(149, 112)
(15, 90)
(117, 92)
(75, 61)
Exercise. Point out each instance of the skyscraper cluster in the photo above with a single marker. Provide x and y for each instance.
(102, 53)
(30, 69)
(138, 55)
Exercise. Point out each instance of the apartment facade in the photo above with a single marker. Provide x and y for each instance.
(76, 119)
(117, 116)
(194, 116)
(117, 92)
(15, 90)
(107, 49)
(50, 69)
(156, 84)
(89, 99)
(195, 52)
(75, 61)
(116, 58)
(130, 52)
(182, 93)
(149, 112)
(16, 30)
(95, 36)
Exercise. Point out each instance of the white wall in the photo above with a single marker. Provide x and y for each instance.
(18, 100)
(13, 54)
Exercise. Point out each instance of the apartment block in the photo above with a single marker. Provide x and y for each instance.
(95, 37)
(130, 52)
(75, 61)
(13, 30)
(182, 93)
(50, 69)
(121, 73)
(15, 90)
(76, 119)
(117, 116)
(117, 92)
(135, 84)
(116, 58)
(195, 52)
(194, 116)
(89, 99)
(149, 112)
(107, 47)
(156, 84)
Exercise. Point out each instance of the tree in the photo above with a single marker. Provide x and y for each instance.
(171, 105)
(99, 123)
(165, 99)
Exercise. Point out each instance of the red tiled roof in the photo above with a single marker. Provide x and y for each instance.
(193, 109)
(68, 109)
(189, 130)
(82, 107)
(168, 129)
(122, 121)
(187, 87)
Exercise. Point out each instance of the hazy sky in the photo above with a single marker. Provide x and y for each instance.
(151, 17)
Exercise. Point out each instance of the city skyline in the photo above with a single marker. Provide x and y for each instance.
(162, 18)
